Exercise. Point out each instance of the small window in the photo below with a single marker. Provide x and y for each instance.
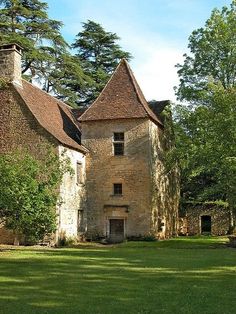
(118, 144)
(80, 221)
(118, 136)
(79, 172)
(117, 189)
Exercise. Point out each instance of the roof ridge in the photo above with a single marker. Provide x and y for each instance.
(46, 93)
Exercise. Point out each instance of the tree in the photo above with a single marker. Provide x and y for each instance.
(99, 54)
(206, 148)
(212, 58)
(29, 193)
(206, 127)
(60, 74)
(45, 52)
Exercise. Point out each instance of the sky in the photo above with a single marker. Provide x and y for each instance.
(155, 32)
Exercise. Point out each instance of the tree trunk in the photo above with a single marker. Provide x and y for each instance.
(232, 220)
(16, 241)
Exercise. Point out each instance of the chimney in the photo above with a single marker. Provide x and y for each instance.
(10, 63)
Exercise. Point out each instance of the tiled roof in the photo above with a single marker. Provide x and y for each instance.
(52, 114)
(121, 98)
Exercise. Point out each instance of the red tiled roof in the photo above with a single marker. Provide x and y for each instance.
(121, 98)
(52, 114)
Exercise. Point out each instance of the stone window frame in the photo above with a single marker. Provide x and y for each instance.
(118, 143)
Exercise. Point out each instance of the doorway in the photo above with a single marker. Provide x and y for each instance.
(116, 233)
(205, 224)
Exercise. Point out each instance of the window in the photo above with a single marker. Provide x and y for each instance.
(117, 189)
(118, 144)
(79, 173)
(80, 221)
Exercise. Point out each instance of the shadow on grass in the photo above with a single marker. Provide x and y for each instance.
(132, 278)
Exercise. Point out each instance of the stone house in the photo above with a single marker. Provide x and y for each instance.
(129, 194)
(120, 187)
(204, 219)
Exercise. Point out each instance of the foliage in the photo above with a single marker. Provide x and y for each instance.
(29, 193)
(3, 83)
(45, 52)
(212, 57)
(65, 241)
(206, 147)
(99, 54)
(206, 127)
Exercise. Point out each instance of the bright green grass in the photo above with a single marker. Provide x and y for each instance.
(185, 275)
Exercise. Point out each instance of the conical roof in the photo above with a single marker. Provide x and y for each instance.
(121, 98)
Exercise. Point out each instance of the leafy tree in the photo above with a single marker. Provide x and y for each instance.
(206, 148)
(60, 73)
(206, 128)
(99, 54)
(46, 57)
(212, 58)
(29, 193)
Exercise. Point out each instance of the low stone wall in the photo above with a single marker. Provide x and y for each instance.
(219, 216)
(6, 236)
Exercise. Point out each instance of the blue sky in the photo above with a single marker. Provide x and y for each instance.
(155, 32)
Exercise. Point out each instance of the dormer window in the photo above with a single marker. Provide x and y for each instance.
(118, 143)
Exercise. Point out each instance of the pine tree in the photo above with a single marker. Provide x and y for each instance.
(46, 57)
(99, 54)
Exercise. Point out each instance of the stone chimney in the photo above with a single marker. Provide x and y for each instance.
(10, 63)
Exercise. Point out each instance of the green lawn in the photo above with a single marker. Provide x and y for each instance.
(185, 275)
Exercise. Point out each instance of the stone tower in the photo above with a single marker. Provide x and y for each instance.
(128, 193)
(10, 63)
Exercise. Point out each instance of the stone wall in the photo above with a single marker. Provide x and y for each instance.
(220, 218)
(10, 64)
(6, 236)
(132, 170)
(72, 192)
(165, 183)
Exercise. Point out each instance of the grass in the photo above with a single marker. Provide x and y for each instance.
(185, 275)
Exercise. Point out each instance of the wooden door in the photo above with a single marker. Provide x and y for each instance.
(116, 230)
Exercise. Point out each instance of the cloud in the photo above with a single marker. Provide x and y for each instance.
(157, 74)
(154, 38)
(154, 65)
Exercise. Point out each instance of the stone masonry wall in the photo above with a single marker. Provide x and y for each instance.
(220, 219)
(10, 65)
(165, 185)
(72, 192)
(18, 129)
(132, 170)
